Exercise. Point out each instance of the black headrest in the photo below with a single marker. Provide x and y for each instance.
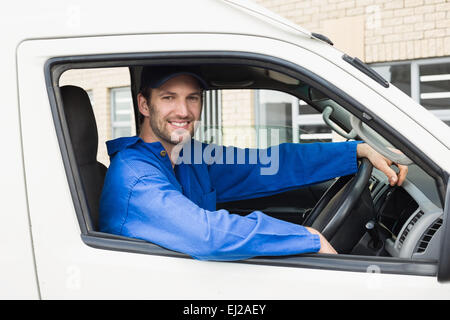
(81, 122)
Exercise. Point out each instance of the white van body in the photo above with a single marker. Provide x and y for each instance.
(42, 255)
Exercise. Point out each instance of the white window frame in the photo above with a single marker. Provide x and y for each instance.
(119, 124)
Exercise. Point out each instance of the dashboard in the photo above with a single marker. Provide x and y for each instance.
(410, 216)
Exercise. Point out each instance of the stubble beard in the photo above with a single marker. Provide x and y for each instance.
(159, 128)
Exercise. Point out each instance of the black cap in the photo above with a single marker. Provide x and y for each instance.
(154, 77)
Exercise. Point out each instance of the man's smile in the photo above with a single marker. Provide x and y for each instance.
(180, 124)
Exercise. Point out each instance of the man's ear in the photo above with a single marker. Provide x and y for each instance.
(143, 105)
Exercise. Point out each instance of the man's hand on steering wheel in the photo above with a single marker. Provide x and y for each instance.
(363, 150)
(319, 211)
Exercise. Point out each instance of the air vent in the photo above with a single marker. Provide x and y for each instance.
(426, 238)
(409, 227)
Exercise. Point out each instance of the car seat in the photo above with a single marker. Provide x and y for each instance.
(84, 137)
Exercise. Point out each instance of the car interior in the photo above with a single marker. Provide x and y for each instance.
(359, 214)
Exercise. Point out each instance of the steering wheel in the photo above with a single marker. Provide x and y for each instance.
(337, 203)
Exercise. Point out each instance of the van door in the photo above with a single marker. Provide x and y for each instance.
(74, 264)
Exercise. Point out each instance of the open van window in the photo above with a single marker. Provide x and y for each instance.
(253, 99)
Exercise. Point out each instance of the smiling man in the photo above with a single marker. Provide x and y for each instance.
(147, 195)
(171, 104)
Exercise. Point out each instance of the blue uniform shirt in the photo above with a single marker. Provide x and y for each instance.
(144, 197)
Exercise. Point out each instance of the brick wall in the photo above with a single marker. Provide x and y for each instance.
(99, 81)
(393, 29)
(238, 118)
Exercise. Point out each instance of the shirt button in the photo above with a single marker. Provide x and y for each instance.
(163, 153)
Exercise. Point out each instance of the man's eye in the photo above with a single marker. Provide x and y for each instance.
(169, 98)
(194, 98)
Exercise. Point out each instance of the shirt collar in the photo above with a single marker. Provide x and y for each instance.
(119, 144)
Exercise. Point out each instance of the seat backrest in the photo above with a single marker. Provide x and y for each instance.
(84, 137)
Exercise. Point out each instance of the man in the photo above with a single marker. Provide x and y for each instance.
(147, 195)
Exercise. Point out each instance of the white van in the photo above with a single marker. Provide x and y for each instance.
(50, 245)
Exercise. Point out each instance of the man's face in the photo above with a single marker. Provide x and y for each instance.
(174, 107)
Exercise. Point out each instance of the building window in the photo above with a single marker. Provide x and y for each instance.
(426, 81)
(122, 118)
(294, 119)
(310, 125)
(435, 86)
(210, 128)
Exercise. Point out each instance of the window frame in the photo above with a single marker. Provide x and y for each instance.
(54, 67)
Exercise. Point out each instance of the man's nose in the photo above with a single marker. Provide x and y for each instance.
(182, 108)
